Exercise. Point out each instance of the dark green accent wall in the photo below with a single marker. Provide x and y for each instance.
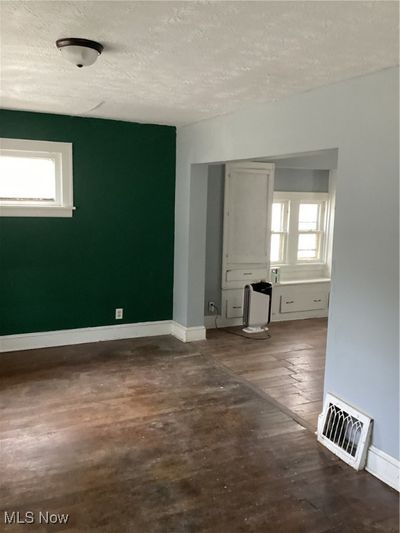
(116, 250)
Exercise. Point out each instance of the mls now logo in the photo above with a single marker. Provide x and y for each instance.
(30, 517)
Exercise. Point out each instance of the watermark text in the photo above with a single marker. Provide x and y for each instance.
(34, 517)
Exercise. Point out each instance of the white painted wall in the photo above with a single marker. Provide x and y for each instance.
(301, 180)
(360, 118)
(321, 160)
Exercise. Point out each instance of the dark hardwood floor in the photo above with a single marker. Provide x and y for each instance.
(155, 436)
(288, 367)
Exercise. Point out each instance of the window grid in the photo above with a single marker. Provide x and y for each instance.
(27, 177)
(315, 230)
(35, 178)
(279, 232)
(293, 246)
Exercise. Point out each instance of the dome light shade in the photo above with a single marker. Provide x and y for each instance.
(79, 52)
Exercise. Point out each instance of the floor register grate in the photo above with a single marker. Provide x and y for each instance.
(345, 431)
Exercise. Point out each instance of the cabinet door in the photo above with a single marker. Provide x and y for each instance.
(246, 275)
(304, 301)
(248, 199)
(234, 303)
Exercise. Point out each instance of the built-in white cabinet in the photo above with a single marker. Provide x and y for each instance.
(300, 300)
(304, 302)
(289, 302)
(245, 274)
(247, 230)
(233, 303)
(247, 223)
(246, 249)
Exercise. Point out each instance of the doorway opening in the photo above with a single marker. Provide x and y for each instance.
(288, 243)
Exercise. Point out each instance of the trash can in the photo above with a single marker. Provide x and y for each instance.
(257, 306)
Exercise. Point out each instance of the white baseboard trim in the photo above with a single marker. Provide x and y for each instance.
(384, 467)
(209, 320)
(47, 339)
(300, 315)
(190, 334)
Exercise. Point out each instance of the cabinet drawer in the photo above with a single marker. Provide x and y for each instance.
(304, 302)
(248, 274)
(234, 305)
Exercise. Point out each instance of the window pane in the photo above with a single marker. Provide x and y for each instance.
(27, 178)
(277, 216)
(308, 246)
(276, 248)
(308, 217)
(306, 255)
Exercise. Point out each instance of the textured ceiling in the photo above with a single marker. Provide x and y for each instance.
(180, 62)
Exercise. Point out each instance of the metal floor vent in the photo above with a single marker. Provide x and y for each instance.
(345, 431)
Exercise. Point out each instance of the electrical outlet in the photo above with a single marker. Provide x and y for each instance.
(119, 313)
(211, 307)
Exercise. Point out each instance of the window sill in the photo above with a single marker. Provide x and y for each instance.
(36, 211)
(303, 281)
(299, 266)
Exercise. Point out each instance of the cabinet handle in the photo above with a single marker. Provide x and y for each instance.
(236, 307)
(247, 273)
(289, 301)
(317, 300)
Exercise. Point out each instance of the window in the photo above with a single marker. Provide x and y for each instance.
(35, 178)
(279, 231)
(309, 231)
(298, 229)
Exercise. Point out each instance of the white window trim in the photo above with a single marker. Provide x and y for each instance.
(63, 205)
(285, 232)
(291, 264)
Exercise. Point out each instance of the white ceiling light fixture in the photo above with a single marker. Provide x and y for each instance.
(79, 52)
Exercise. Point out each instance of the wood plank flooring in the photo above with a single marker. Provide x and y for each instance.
(288, 367)
(154, 436)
